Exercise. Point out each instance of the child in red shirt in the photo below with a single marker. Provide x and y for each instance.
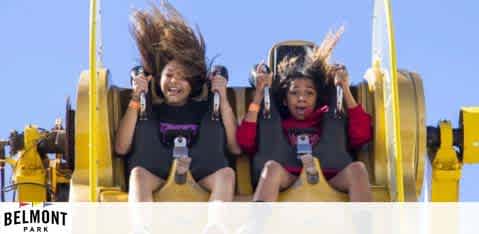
(300, 97)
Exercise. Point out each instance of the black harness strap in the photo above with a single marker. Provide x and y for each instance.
(273, 145)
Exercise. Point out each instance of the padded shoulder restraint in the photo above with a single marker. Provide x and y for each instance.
(331, 149)
(208, 153)
(272, 144)
(147, 150)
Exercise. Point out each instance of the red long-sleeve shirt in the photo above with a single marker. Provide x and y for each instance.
(359, 132)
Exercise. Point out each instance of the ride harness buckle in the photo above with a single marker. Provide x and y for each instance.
(180, 153)
(180, 148)
(303, 145)
(304, 151)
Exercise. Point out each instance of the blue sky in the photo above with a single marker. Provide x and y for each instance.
(44, 47)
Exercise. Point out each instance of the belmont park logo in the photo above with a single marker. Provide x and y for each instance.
(33, 217)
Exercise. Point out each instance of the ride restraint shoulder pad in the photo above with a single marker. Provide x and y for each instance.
(207, 149)
(272, 143)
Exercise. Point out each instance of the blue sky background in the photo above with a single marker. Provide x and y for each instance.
(44, 47)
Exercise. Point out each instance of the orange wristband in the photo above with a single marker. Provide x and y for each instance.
(253, 107)
(135, 105)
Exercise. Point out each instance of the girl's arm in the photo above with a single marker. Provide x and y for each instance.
(359, 122)
(229, 121)
(359, 127)
(342, 80)
(246, 134)
(349, 98)
(218, 84)
(124, 135)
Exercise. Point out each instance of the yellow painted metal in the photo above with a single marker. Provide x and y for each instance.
(115, 113)
(79, 187)
(53, 175)
(395, 102)
(305, 192)
(93, 104)
(171, 191)
(446, 168)
(373, 101)
(28, 171)
(302, 191)
(470, 128)
(114, 194)
(413, 129)
(413, 132)
(57, 174)
(12, 162)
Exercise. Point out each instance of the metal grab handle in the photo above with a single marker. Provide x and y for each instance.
(267, 103)
(143, 106)
(136, 71)
(339, 99)
(221, 71)
(141, 71)
(216, 106)
(266, 92)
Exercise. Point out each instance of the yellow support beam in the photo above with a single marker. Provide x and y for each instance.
(92, 105)
(446, 168)
(28, 171)
(470, 127)
(395, 104)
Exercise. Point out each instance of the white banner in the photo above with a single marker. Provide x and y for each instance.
(235, 218)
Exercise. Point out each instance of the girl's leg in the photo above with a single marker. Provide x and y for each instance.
(221, 184)
(353, 179)
(142, 184)
(273, 178)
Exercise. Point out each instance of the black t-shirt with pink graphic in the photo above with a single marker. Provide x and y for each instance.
(173, 119)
